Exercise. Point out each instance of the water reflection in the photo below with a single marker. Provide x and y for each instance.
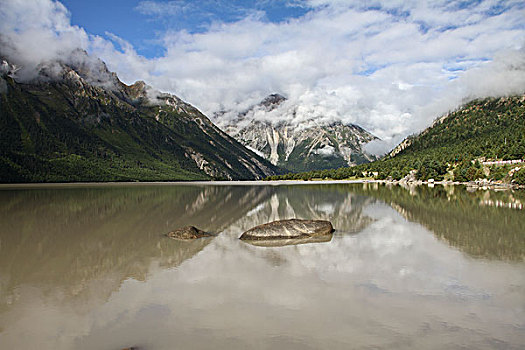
(77, 238)
(336, 204)
(89, 268)
(464, 219)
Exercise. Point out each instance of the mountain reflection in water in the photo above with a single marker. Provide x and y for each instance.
(481, 223)
(75, 236)
(89, 267)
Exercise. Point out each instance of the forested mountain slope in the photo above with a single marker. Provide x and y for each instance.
(454, 146)
(492, 128)
(78, 122)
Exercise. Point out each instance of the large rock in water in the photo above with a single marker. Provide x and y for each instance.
(189, 232)
(302, 231)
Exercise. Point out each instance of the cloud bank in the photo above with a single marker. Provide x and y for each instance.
(390, 67)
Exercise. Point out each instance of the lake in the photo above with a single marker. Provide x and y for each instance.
(89, 267)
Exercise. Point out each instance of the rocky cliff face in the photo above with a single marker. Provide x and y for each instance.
(76, 121)
(297, 146)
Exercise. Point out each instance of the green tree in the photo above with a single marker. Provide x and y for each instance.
(519, 177)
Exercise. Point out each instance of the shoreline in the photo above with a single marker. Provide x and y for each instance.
(473, 185)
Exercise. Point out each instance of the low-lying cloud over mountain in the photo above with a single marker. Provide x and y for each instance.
(390, 67)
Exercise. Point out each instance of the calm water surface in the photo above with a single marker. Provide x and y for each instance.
(88, 267)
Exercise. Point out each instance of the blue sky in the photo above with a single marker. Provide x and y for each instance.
(118, 17)
(142, 23)
(388, 66)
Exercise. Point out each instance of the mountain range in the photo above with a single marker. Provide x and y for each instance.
(76, 121)
(455, 147)
(269, 129)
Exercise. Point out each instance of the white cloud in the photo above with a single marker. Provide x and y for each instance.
(325, 151)
(390, 67)
(169, 8)
(33, 32)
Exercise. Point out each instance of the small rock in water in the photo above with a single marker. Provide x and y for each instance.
(289, 229)
(188, 232)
